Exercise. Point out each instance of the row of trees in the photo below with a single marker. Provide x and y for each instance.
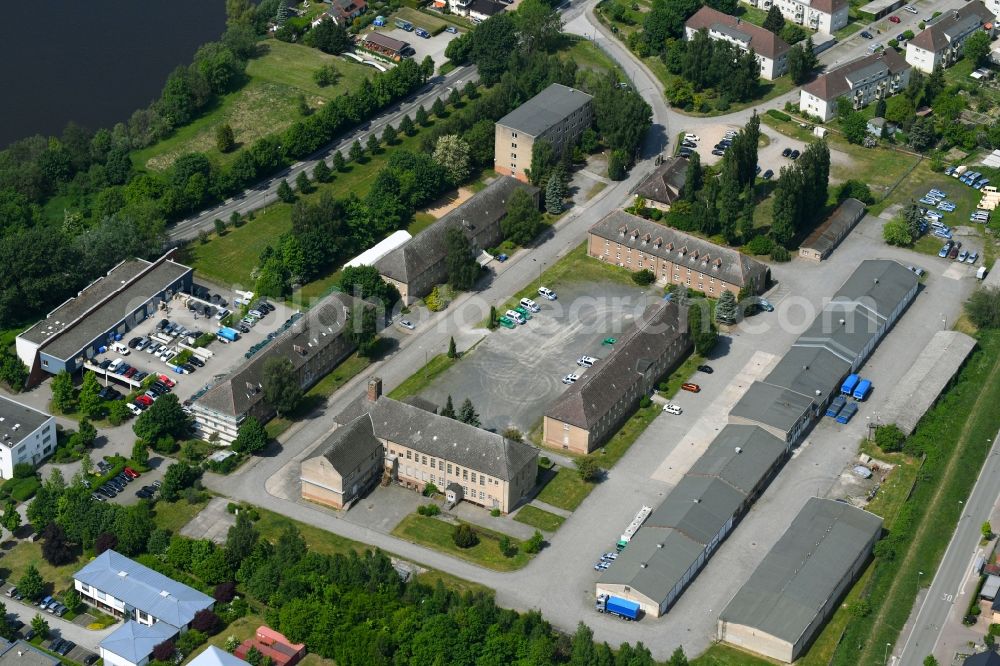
(801, 194)
(717, 64)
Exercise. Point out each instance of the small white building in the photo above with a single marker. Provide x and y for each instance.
(132, 643)
(26, 436)
(825, 16)
(940, 44)
(862, 81)
(771, 50)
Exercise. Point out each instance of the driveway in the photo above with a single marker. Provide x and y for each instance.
(86, 639)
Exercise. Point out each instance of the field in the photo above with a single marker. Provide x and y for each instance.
(422, 378)
(266, 104)
(566, 489)
(436, 534)
(16, 560)
(539, 518)
(618, 445)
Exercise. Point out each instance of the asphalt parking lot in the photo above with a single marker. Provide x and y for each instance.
(512, 376)
(423, 47)
(226, 357)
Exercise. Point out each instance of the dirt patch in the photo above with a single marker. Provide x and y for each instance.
(449, 202)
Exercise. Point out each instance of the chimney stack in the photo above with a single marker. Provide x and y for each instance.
(374, 389)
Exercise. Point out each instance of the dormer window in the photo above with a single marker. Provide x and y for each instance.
(645, 239)
(658, 242)
(670, 247)
(683, 251)
(622, 229)
(635, 233)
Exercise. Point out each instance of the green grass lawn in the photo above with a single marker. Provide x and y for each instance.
(423, 377)
(681, 375)
(16, 560)
(264, 105)
(724, 655)
(566, 490)
(435, 533)
(588, 56)
(420, 222)
(619, 444)
(173, 516)
(539, 518)
(229, 259)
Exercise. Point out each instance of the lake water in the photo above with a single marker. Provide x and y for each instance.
(93, 61)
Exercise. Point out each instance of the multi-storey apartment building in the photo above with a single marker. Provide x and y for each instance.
(558, 114)
(940, 44)
(26, 436)
(862, 81)
(823, 15)
(771, 50)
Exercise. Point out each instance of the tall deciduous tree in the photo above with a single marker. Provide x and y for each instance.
(31, 584)
(523, 220)
(251, 437)
(281, 385)
(452, 153)
(164, 417)
(462, 267)
(90, 400)
(493, 43)
(63, 393)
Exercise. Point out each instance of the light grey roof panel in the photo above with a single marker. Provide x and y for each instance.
(22, 653)
(809, 371)
(654, 562)
(545, 109)
(134, 642)
(698, 507)
(213, 656)
(803, 570)
(740, 455)
(772, 405)
(142, 588)
(878, 284)
(27, 419)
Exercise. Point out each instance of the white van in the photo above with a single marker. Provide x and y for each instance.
(515, 316)
(115, 364)
(530, 305)
(121, 348)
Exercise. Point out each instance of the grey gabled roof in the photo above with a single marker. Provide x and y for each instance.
(351, 444)
(664, 185)
(727, 264)
(988, 658)
(698, 507)
(141, 587)
(835, 227)
(654, 562)
(836, 82)
(600, 388)
(134, 642)
(951, 24)
(444, 437)
(320, 326)
(545, 109)
(427, 248)
(740, 455)
(804, 569)
(772, 405)
(810, 371)
(879, 285)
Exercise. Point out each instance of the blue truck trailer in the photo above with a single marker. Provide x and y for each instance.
(862, 390)
(623, 608)
(848, 386)
(847, 412)
(835, 406)
(229, 334)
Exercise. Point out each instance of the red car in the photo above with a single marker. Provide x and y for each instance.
(131, 371)
(131, 473)
(694, 388)
(167, 380)
(145, 400)
(894, 19)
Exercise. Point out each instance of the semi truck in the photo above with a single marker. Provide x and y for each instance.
(835, 406)
(848, 386)
(623, 608)
(862, 390)
(229, 334)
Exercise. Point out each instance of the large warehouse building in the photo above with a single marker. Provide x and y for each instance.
(772, 416)
(783, 604)
(108, 307)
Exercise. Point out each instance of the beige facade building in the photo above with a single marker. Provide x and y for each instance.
(420, 263)
(771, 51)
(387, 439)
(593, 408)
(940, 44)
(823, 15)
(862, 82)
(558, 114)
(662, 188)
(673, 256)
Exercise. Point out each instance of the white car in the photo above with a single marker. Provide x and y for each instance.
(133, 408)
(570, 378)
(671, 408)
(586, 361)
(692, 137)
(545, 292)
(530, 304)
(910, 9)
(406, 323)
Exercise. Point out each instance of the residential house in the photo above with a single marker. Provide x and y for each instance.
(940, 43)
(416, 447)
(480, 10)
(664, 186)
(594, 406)
(419, 264)
(385, 46)
(558, 114)
(862, 81)
(274, 645)
(771, 50)
(132, 643)
(673, 256)
(826, 16)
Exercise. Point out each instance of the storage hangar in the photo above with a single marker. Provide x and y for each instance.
(101, 313)
(782, 606)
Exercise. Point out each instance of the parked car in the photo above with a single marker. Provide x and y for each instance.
(167, 380)
(768, 175)
(570, 378)
(795, 155)
(506, 322)
(866, 34)
(786, 152)
(671, 408)
(707, 369)
(407, 324)
(132, 473)
(908, 8)
(894, 19)
(972, 258)
(545, 292)
(586, 361)
(693, 388)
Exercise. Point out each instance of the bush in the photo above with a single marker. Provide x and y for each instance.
(779, 115)
(587, 468)
(428, 510)
(857, 190)
(23, 470)
(759, 245)
(430, 490)
(464, 536)
(645, 402)
(20, 489)
(507, 548)
(889, 438)
(643, 277)
(495, 513)
(535, 543)
(779, 253)
(983, 308)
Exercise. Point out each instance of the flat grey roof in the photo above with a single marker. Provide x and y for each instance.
(23, 653)
(740, 455)
(698, 507)
(879, 284)
(802, 571)
(27, 419)
(810, 371)
(772, 405)
(923, 382)
(93, 319)
(545, 109)
(654, 562)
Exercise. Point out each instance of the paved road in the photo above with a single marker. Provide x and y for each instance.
(946, 600)
(58, 627)
(266, 191)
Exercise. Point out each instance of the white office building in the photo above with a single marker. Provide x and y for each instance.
(26, 436)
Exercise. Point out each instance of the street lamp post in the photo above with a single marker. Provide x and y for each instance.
(885, 657)
(919, 574)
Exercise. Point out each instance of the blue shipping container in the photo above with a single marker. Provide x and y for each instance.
(848, 386)
(862, 390)
(623, 607)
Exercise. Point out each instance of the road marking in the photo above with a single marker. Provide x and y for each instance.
(972, 566)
